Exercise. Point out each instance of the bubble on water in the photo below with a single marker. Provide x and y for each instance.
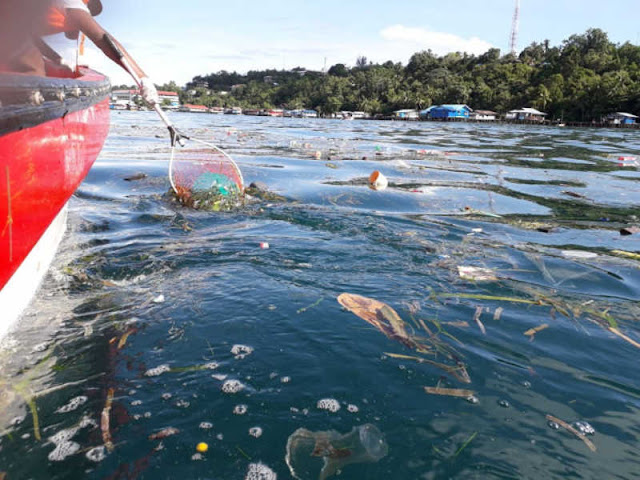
(352, 408)
(330, 404)
(584, 427)
(259, 471)
(17, 421)
(211, 365)
(73, 404)
(255, 432)
(63, 450)
(97, 454)
(166, 396)
(206, 425)
(504, 403)
(472, 399)
(232, 386)
(159, 370)
(553, 425)
(285, 379)
(182, 404)
(218, 376)
(135, 403)
(241, 351)
(240, 409)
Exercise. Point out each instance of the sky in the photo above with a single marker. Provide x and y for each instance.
(177, 40)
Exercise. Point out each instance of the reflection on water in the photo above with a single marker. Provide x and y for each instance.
(499, 243)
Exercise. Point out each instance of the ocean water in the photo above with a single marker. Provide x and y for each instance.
(160, 327)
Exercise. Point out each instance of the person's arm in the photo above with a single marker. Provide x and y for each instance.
(81, 20)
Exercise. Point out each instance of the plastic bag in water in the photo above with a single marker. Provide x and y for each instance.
(320, 455)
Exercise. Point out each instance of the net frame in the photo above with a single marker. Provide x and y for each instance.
(189, 164)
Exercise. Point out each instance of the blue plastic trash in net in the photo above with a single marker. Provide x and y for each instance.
(210, 181)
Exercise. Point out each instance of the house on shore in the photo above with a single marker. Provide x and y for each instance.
(406, 114)
(483, 116)
(187, 107)
(169, 100)
(447, 112)
(526, 115)
(621, 118)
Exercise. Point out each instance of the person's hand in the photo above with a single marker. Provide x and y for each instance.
(149, 92)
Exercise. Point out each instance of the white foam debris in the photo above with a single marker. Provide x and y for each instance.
(73, 404)
(285, 379)
(352, 408)
(330, 404)
(63, 450)
(183, 404)
(259, 471)
(166, 396)
(159, 370)
(211, 365)
(97, 454)
(219, 376)
(232, 386)
(196, 457)
(135, 403)
(206, 425)
(220, 436)
(241, 351)
(578, 254)
(255, 432)
(240, 409)
(159, 299)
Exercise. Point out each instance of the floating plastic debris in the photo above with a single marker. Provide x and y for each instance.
(206, 425)
(449, 392)
(578, 254)
(330, 404)
(73, 404)
(183, 403)
(197, 456)
(240, 409)
(264, 245)
(202, 447)
(166, 396)
(352, 408)
(255, 432)
(211, 366)
(472, 399)
(477, 274)
(504, 403)
(232, 386)
(285, 379)
(164, 433)
(241, 351)
(219, 376)
(154, 372)
(320, 455)
(135, 403)
(259, 471)
(377, 181)
(553, 425)
(159, 299)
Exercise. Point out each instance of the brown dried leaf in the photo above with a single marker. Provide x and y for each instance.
(104, 421)
(532, 331)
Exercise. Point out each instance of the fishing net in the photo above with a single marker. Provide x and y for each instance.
(203, 176)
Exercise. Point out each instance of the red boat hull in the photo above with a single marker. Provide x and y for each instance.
(40, 168)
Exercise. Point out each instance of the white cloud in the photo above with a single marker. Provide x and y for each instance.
(439, 42)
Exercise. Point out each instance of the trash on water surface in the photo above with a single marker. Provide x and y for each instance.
(320, 455)
(629, 230)
(554, 420)
(450, 392)
(477, 274)
(377, 181)
(388, 322)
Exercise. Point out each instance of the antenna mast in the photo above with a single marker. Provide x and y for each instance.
(514, 28)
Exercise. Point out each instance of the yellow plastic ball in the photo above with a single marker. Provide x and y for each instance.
(202, 447)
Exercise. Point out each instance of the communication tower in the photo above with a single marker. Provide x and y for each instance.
(514, 28)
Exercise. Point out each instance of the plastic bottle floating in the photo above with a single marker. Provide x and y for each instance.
(377, 181)
(320, 455)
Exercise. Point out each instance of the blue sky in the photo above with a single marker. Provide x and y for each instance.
(177, 40)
